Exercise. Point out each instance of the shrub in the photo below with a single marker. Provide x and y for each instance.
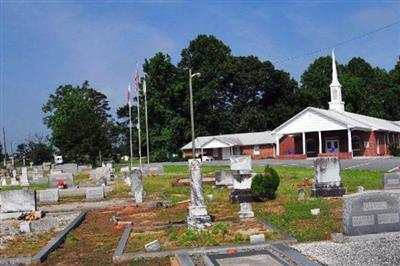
(265, 185)
(394, 150)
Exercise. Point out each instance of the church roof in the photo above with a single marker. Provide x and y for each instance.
(238, 139)
(349, 120)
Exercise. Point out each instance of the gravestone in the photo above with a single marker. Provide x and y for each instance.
(14, 181)
(246, 210)
(14, 173)
(22, 200)
(101, 174)
(40, 180)
(137, 185)
(391, 180)
(24, 176)
(327, 180)
(46, 166)
(4, 181)
(300, 194)
(224, 178)
(198, 217)
(67, 177)
(242, 179)
(94, 193)
(67, 168)
(48, 195)
(153, 169)
(371, 212)
(25, 227)
(37, 172)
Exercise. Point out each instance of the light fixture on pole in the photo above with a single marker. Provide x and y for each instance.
(191, 109)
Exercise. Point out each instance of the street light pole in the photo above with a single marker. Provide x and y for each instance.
(191, 110)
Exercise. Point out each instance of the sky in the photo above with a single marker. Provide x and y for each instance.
(44, 44)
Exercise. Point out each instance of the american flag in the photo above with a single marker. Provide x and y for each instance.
(137, 78)
(129, 94)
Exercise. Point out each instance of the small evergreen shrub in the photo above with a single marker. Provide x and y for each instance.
(394, 150)
(265, 185)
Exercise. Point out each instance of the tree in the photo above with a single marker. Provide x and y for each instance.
(80, 122)
(22, 150)
(38, 149)
(392, 97)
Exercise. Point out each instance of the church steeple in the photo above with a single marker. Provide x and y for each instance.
(336, 102)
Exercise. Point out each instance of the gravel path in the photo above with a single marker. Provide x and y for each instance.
(381, 251)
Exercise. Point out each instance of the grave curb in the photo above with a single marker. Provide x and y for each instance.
(125, 257)
(16, 260)
(119, 251)
(58, 239)
(342, 238)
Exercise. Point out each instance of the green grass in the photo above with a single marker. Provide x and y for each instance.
(285, 212)
(33, 187)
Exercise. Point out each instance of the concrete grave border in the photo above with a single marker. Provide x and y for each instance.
(212, 258)
(58, 239)
(46, 250)
(119, 255)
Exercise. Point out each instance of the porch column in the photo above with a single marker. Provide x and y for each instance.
(320, 141)
(384, 141)
(378, 150)
(304, 142)
(277, 145)
(349, 142)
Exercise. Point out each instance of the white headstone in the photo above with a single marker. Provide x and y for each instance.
(18, 200)
(24, 176)
(241, 162)
(95, 193)
(48, 195)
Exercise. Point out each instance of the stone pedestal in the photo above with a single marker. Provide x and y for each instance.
(242, 187)
(137, 185)
(246, 210)
(198, 217)
(327, 180)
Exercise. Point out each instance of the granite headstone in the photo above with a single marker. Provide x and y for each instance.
(18, 200)
(48, 195)
(327, 180)
(371, 212)
(391, 180)
(95, 193)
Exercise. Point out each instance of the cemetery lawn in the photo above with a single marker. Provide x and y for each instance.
(94, 241)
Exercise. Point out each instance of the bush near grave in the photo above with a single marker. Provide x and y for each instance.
(265, 185)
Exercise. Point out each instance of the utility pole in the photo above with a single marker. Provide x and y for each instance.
(5, 147)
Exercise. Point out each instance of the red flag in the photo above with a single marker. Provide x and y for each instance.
(137, 78)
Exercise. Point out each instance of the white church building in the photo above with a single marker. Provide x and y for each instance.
(317, 132)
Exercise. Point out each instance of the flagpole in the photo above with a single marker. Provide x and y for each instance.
(130, 126)
(146, 120)
(138, 115)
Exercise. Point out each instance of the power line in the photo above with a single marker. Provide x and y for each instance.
(339, 43)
